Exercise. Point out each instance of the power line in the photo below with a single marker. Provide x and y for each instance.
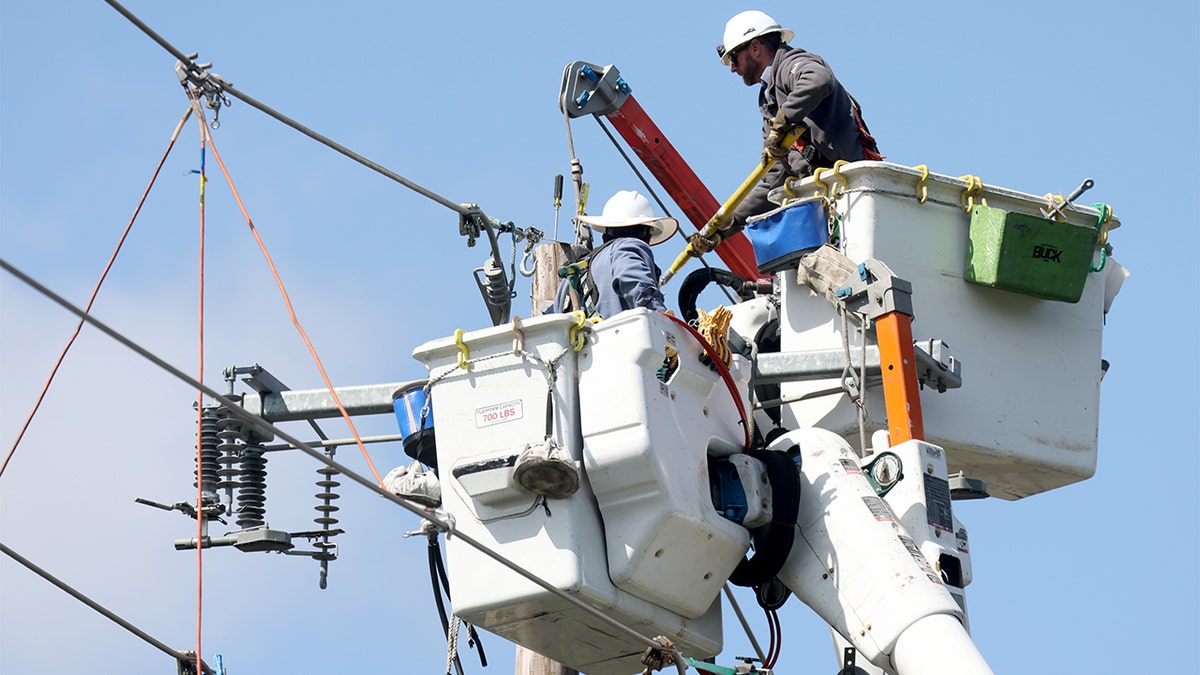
(107, 613)
(445, 524)
(324, 140)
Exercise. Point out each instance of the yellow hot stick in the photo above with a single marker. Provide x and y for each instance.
(723, 214)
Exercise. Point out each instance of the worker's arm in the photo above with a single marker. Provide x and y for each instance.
(804, 81)
(627, 267)
(756, 202)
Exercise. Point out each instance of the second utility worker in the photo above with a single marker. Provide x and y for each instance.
(621, 273)
(797, 88)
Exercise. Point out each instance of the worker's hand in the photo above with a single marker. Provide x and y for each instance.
(701, 244)
(779, 127)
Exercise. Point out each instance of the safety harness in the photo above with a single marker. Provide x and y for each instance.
(870, 147)
(582, 294)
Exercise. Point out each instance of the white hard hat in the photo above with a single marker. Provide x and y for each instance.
(628, 208)
(745, 27)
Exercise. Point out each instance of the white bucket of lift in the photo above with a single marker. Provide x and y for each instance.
(648, 434)
(486, 414)
(1026, 418)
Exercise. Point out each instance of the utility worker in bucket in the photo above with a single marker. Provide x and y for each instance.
(616, 276)
(796, 88)
(620, 274)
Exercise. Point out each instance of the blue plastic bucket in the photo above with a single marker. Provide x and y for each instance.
(408, 401)
(781, 236)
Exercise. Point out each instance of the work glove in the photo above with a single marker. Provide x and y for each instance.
(779, 127)
(701, 244)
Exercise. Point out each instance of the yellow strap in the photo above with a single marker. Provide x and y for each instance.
(922, 188)
(463, 354)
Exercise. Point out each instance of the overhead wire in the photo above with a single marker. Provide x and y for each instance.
(374, 166)
(444, 524)
(104, 611)
(95, 290)
(468, 211)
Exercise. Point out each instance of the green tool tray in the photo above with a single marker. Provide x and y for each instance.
(1027, 254)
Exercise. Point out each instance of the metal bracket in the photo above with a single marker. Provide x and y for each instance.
(964, 488)
(210, 86)
(250, 540)
(848, 665)
(198, 76)
(589, 89)
(936, 367)
(876, 291)
(212, 510)
(257, 378)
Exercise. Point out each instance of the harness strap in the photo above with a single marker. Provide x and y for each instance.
(582, 294)
(870, 146)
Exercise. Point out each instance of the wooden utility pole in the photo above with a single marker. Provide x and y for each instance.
(532, 663)
(545, 284)
(547, 259)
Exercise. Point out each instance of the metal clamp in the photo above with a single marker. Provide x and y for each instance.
(589, 89)
(876, 291)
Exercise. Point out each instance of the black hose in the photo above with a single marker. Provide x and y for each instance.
(768, 341)
(436, 570)
(472, 636)
(694, 283)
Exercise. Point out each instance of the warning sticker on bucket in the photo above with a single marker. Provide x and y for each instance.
(498, 414)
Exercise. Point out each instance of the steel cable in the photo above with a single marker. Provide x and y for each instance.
(445, 524)
(270, 112)
(107, 613)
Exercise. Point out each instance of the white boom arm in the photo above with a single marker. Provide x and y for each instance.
(858, 568)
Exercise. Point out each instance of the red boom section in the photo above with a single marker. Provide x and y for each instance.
(684, 186)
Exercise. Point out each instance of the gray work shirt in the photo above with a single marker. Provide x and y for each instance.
(625, 277)
(803, 86)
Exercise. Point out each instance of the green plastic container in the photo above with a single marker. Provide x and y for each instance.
(1027, 254)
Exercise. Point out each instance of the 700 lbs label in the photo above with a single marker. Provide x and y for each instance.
(498, 414)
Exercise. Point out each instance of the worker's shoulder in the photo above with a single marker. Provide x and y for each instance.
(625, 246)
(795, 60)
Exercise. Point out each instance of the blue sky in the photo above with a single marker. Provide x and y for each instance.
(1097, 577)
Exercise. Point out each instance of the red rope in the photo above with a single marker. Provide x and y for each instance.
(291, 311)
(95, 291)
